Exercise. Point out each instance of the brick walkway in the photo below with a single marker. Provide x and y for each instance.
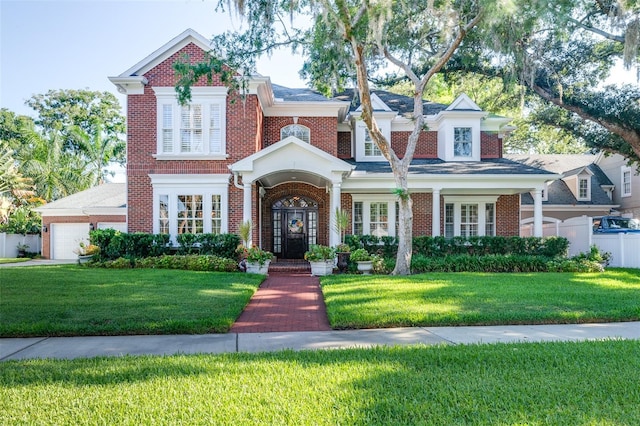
(285, 302)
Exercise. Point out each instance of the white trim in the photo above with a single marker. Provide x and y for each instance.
(204, 96)
(623, 170)
(204, 185)
(366, 200)
(480, 201)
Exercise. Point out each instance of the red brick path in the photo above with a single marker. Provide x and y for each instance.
(285, 302)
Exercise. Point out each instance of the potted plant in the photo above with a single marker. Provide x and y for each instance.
(86, 252)
(343, 252)
(363, 259)
(22, 250)
(258, 260)
(321, 259)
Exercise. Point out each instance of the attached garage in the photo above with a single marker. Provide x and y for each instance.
(66, 237)
(67, 222)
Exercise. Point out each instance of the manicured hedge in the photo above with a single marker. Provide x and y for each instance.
(115, 244)
(191, 262)
(553, 247)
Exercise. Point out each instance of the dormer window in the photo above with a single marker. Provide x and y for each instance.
(462, 142)
(370, 147)
(301, 132)
(584, 184)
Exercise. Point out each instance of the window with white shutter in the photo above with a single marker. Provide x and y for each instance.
(192, 131)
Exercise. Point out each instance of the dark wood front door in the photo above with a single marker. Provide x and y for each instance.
(295, 243)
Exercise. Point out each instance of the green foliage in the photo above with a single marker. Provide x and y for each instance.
(318, 253)
(190, 262)
(360, 255)
(22, 220)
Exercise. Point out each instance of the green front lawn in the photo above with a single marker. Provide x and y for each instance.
(587, 383)
(70, 300)
(438, 299)
(14, 259)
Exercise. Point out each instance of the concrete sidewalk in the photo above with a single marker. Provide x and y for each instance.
(92, 346)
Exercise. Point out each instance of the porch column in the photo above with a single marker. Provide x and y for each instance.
(435, 213)
(334, 236)
(247, 208)
(537, 213)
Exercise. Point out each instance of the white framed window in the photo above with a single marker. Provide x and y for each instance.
(584, 188)
(626, 182)
(469, 216)
(193, 131)
(374, 215)
(462, 142)
(190, 204)
(370, 147)
(299, 131)
(366, 148)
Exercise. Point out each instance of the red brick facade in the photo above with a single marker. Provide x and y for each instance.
(248, 130)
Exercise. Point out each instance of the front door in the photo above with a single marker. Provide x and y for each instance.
(296, 235)
(295, 226)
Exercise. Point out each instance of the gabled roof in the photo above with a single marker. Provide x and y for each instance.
(108, 197)
(558, 193)
(400, 103)
(166, 50)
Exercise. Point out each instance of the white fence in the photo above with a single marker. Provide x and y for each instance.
(9, 244)
(624, 248)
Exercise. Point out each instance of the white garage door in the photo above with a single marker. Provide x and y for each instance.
(66, 237)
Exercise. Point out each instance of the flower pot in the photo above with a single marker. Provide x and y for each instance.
(255, 268)
(84, 258)
(322, 267)
(343, 261)
(365, 266)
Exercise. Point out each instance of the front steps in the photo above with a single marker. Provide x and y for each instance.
(289, 266)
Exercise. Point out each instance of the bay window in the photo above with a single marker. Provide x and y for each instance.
(193, 207)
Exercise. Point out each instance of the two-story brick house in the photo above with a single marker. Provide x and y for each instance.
(285, 159)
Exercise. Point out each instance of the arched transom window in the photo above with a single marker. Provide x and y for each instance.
(297, 130)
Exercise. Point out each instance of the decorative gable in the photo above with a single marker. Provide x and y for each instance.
(579, 183)
(365, 147)
(459, 129)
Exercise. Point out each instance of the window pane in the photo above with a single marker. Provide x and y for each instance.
(215, 130)
(301, 132)
(277, 231)
(468, 220)
(357, 218)
(163, 209)
(190, 218)
(379, 219)
(370, 147)
(167, 128)
(216, 215)
(448, 221)
(626, 182)
(584, 186)
(489, 226)
(462, 142)
(312, 227)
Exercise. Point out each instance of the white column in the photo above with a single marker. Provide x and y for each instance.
(537, 213)
(247, 208)
(435, 213)
(334, 236)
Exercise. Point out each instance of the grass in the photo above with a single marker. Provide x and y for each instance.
(13, 259)
(70, 300)
(586, 383)
(439, 299)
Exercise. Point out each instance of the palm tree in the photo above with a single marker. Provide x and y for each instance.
(12, 183)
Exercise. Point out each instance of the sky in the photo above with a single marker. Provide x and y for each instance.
(77, 44)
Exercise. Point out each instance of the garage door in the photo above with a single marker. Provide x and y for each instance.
(65, 238)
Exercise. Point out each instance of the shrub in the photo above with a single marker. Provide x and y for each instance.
(360, 255)
(320, 253)
(186, 262)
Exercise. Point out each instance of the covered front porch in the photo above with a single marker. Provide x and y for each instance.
(294, 187)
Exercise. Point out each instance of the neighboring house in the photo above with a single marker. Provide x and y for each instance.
(286, 159)
(627, 181)
(66, 222)
(582, 188)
